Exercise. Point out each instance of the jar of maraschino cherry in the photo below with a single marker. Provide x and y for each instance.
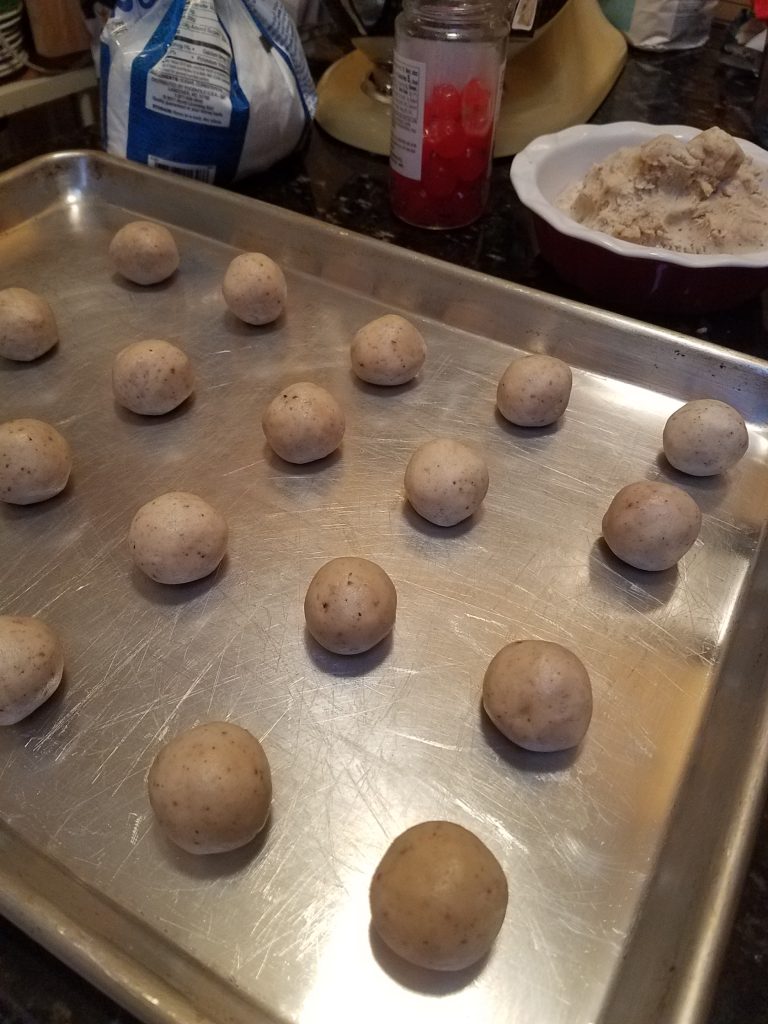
(446, 84)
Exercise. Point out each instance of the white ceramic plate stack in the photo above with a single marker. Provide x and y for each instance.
(13, 56)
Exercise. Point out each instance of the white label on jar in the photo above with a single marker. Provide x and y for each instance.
(525, 15)
(409, 79)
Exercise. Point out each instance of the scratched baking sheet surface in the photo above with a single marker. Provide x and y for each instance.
(360, 748)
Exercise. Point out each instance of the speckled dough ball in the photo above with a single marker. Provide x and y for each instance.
(211, 788)
(705, 437)
(534, 391)
(144, 252)
(303, 423)
(27, 325)
(254, 288)
(651, 524)
(350, 605)
(152, 377)
(446, 481)
(388, 351)
(177, 538)
(31, 666)
(35, 462)
(539, 695)
(438, 897)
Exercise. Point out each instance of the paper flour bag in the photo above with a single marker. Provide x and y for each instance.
(662, 24)
(211, 89)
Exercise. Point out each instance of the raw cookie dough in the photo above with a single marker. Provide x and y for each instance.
(438, 897)
(704, 196)
(651, 524)
(177, 538)
(35, 462)
(303, 423)
(388, 351)
(211, 788)
(534, 391)
(144, 252)
(152, 377)
(254, 288)
(446, 481)
(27, 325)
(539, 695)
(705, 437)
(350, 605)
(31, 666)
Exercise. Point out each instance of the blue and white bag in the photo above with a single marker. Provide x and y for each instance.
(211, 89)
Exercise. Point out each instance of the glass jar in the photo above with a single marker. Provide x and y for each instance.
(446, 85)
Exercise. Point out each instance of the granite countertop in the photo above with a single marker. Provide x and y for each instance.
(341, 185)
(348, 187)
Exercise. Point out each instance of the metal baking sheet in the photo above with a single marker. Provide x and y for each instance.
(622, 859)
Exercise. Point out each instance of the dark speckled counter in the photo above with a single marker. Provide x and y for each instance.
(349, 188)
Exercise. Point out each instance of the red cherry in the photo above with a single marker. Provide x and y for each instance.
(471, 164)
(419, 209)
(444, 101)
(440, 199)
(410, 201)
(439, 179)
(433, 132)
(449, 139)
(475, 98)
(401, 189)
(468, 204)
(476, 108)
(478, 133)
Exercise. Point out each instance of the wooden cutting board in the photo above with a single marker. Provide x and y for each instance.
(58, 28)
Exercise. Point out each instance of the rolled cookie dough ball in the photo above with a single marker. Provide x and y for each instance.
(152, 377)
(27, 325)
(705, 437)
(438, 897)
(35, 462)
(350, 605)
(539, 695)
(651, 525)
(446, 481)
(177, 538)
(254, 288)
(388, 351)
(31, 666)
(144, 252)
(534, 391)
(211, 788)
(303, 423)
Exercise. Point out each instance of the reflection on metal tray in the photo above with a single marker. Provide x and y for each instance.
(622, 860)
